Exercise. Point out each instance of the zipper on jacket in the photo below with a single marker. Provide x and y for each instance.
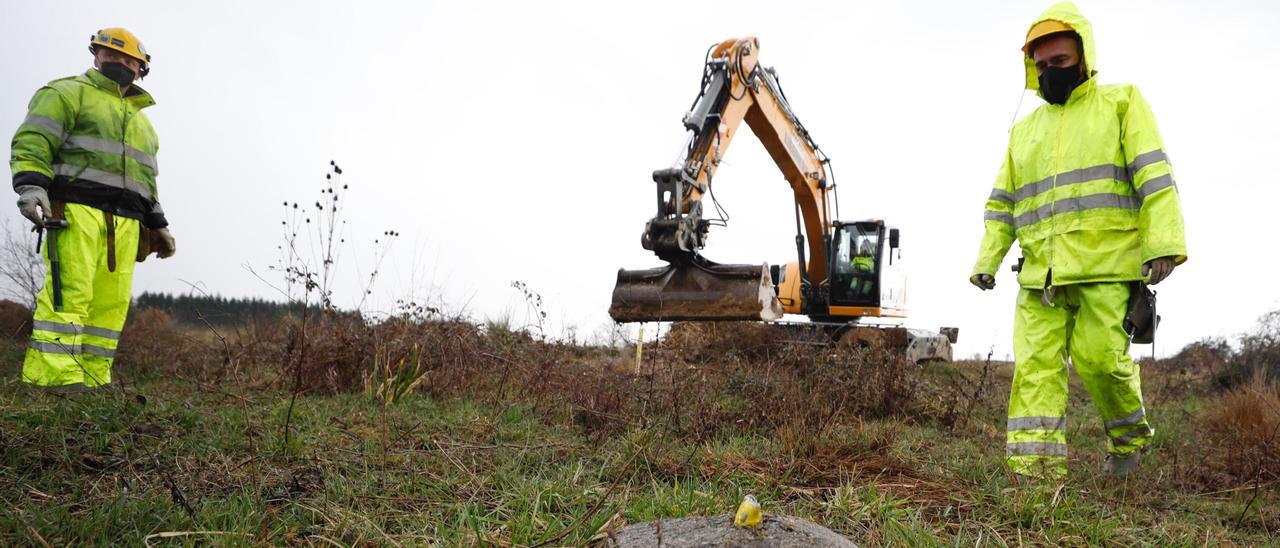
(1053, 198)
(124, 148)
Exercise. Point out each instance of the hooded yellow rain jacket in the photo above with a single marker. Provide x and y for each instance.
(1085, 187)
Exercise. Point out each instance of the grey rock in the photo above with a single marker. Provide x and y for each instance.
(706, 531)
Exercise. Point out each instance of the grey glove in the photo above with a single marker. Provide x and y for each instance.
(164, 244)
(1158, 269)
(983, 281)
(31, 197)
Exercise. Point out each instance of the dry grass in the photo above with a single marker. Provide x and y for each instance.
(700, 383)
(514, 424)
(1242, 431)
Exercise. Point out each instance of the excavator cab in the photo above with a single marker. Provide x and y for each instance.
(855, 266)
(866, 276)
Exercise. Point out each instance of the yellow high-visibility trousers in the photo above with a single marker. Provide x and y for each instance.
(77, 345)
(1083, 327)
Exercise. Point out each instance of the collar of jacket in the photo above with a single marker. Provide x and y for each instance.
(1085, 88)
(138, 96)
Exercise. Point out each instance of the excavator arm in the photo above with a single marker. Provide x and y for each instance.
(735, 88)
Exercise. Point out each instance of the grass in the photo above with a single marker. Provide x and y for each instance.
(205, 463)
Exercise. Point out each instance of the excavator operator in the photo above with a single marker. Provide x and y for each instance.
(864, 266)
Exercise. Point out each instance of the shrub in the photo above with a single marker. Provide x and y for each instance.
(15, 320)
(1259, 353)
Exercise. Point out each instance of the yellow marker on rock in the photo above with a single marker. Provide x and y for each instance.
(749, 514)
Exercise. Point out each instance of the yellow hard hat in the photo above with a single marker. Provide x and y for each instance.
(1042, 29)
(123, 41)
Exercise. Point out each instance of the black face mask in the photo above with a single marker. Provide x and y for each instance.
(1056, 83)
(118, 73)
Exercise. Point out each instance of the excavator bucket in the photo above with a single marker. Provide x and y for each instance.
(695, 291)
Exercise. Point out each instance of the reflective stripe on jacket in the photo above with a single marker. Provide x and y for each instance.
(1085, 188)
(87, 144)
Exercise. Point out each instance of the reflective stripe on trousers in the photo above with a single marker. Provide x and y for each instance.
(72, 349)
(73, 329)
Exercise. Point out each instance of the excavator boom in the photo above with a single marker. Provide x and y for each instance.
(735, 88)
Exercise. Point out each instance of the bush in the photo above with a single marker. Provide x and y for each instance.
(15, 321)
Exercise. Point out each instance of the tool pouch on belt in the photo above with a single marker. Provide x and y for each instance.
(144, 242)
(1140, 320)
(58, 209)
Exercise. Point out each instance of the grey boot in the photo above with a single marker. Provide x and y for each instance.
(1120, 466)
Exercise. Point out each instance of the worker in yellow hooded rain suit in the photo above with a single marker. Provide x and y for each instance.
(84, 167)
(1087, 190)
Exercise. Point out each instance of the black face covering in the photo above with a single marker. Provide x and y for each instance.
(1056, 83)
(118, 73)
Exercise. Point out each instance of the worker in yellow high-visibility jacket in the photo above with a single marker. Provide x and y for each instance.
(864, 266)
(1087, 191)
(86, 154)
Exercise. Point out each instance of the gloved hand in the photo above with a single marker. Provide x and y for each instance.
(983, 281)
(1158, 269)
(163, 243)
(31, 197)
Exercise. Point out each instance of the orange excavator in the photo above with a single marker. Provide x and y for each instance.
(851, 284)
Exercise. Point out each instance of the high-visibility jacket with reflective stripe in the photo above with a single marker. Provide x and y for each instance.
(87, 144)
(1085, 188)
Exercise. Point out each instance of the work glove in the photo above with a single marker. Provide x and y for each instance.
(163, 243)
(31, 197)
(983, 281)
(1158, 269)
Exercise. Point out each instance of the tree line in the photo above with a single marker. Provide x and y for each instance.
(215, 309)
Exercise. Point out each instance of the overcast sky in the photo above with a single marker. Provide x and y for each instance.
(515, 140)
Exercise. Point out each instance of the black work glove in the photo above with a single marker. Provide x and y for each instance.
(983, 281)
(1158, 269)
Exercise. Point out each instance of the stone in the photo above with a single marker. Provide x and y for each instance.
(775, 531)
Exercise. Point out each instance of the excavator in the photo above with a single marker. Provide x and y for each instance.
(851, 284)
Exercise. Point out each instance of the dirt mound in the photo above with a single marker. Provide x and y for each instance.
(726, 340)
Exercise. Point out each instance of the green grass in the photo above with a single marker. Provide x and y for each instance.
(165, 455)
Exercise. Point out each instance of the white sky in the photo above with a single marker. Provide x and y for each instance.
(515, 140)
